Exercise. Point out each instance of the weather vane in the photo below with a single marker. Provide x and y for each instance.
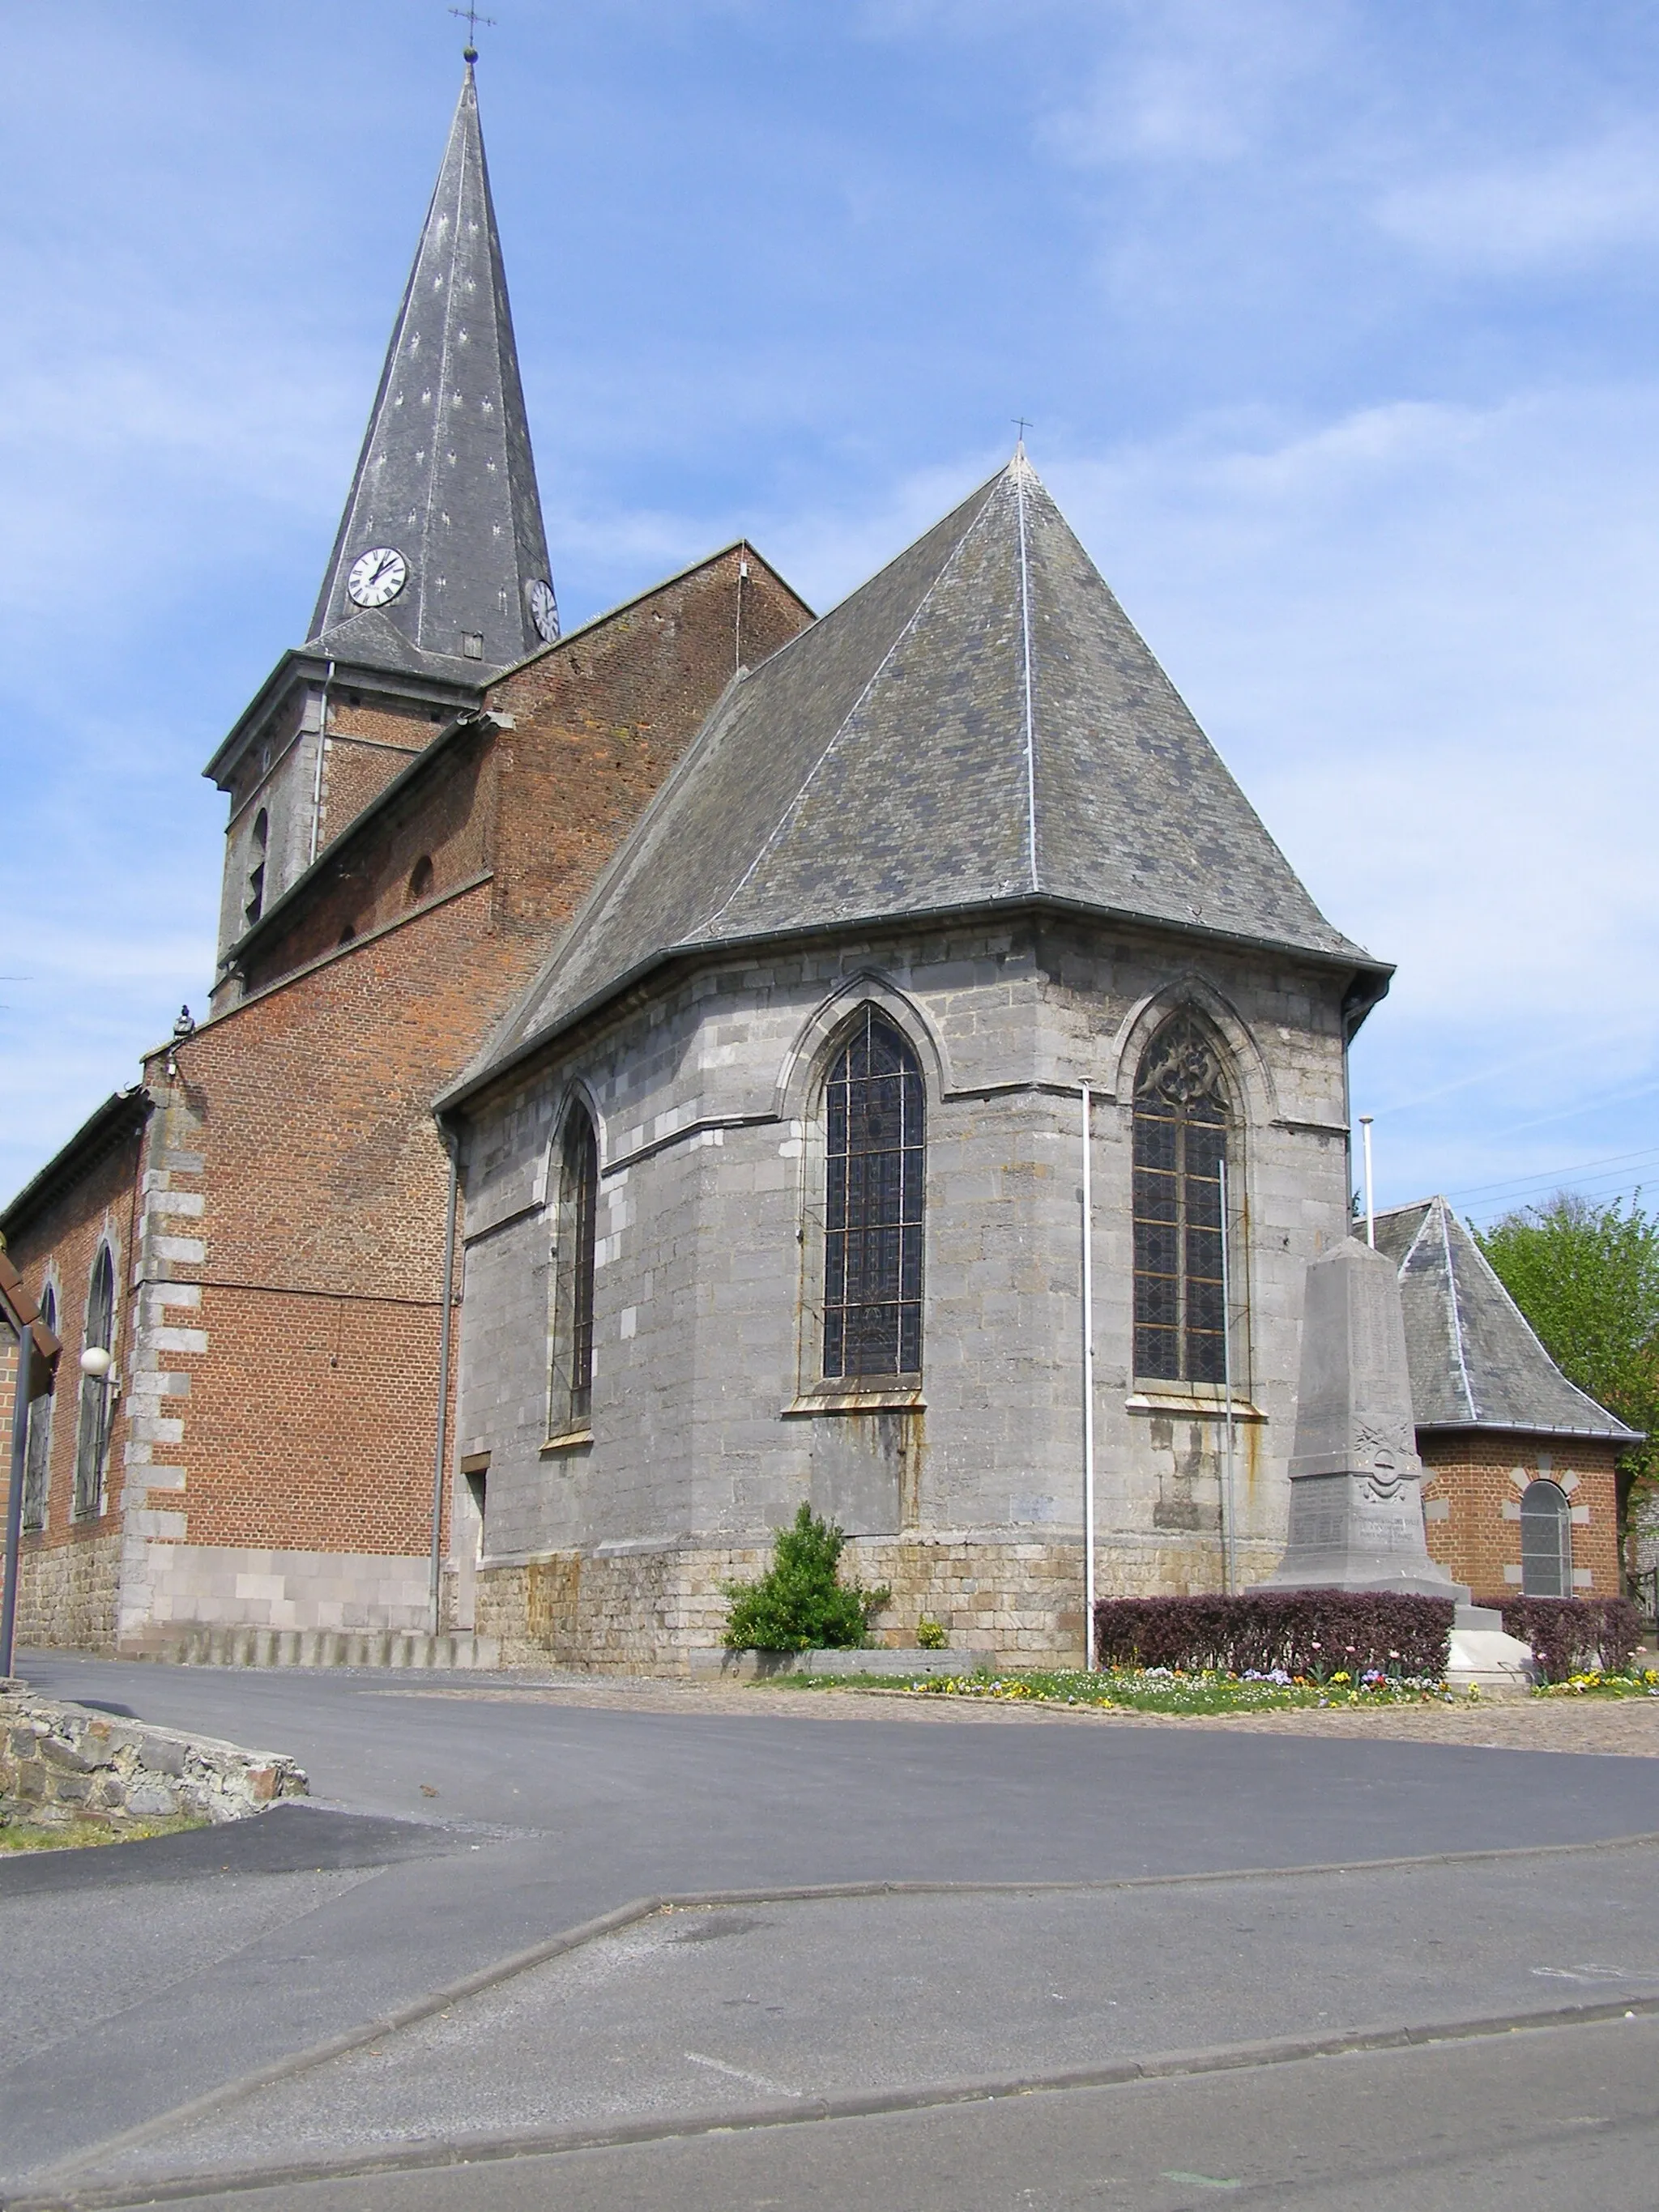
(471, 18)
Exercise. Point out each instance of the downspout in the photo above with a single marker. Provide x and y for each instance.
(1088, 1389)
(20, 1425)
(446, 1335)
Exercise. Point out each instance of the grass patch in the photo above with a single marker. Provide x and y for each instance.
(1151, 1689)
(82, 1834)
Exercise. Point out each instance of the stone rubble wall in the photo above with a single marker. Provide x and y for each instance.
(61, 1762)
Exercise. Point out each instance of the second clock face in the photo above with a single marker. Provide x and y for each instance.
(377, 576)
(544, 611)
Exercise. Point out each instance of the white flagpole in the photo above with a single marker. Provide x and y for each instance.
(1371, 1204)
(1088, 1394)
(1230, 1556)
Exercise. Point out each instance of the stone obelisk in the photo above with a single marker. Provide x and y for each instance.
(1355, 1478)
(1356, 1503)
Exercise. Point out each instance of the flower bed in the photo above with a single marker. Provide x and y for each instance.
(1208, 1690)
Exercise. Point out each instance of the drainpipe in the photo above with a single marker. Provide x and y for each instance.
(446, 1332)
(20, 1422)
(1088, 1392)
(1230, 1503)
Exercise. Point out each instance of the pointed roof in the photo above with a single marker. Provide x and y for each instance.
(1475, 1361)
(978, 724)
(446, 476)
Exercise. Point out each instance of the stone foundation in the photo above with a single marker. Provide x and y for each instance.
(213, 1587)
(67, 1594)
(658, 1608)
(60, 1763)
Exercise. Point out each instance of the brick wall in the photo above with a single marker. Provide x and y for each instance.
(1472, 1481)
(281, 1256)
(69, 1567)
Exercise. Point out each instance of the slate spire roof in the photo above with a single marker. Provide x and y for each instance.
(446, 476)
(978, 724)
(1474, 1360)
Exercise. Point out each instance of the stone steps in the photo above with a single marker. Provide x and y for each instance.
(331, 1647)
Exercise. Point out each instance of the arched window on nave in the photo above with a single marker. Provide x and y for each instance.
(97, 1393)
(875, 1171)
(570, 1392)
(1183, 1123)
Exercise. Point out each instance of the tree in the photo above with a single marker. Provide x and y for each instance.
(800, 1604)
(1587, 1278)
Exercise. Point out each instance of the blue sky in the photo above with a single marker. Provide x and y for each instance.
(1337, 322)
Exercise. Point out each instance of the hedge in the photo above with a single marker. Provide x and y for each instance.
(1313, 1632)
(1570, 1635)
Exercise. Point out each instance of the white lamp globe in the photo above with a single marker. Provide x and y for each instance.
(95, 1362)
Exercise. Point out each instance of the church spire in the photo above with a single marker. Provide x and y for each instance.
(441, 564)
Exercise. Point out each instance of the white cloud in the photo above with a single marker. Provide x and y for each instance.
(1564, 205)
(1191, 81)
(1419, 635)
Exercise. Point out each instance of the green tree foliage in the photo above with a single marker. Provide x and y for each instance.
(1587, 1278)
(800, 1603)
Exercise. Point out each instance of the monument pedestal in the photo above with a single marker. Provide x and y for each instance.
(1356, 1480)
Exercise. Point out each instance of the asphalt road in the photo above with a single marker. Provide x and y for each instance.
(466, 1829)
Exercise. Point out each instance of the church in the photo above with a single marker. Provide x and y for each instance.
(661, 1073)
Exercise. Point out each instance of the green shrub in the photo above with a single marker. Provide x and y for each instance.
(930, 1633)
(800, 1604)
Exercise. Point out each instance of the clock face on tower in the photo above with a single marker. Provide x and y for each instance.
(544, 610)
(377, 576)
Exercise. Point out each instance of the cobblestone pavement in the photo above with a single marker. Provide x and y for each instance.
(1627, 1727)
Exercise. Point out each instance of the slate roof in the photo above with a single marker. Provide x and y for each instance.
(1475, 1362)
(979, 723)
(445, 473)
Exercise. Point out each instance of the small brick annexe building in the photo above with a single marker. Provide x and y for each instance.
(1519, 1490)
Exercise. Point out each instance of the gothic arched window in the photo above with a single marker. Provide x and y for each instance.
(37, 1465)
(875, 1166)
(1546, 1541)
(1182, 1120)
(570, 1401)
(92, 1439)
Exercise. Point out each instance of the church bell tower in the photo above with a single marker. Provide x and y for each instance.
(439, 577)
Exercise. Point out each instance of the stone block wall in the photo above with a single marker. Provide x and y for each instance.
(709, 1423)
(59, 1762)
(656, 1608)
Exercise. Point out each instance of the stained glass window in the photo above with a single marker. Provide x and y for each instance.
(572, 1392)
(571, 1385)
(1181, 1119)
(874, 1109)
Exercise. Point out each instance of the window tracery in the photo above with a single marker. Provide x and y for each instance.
(1183, 1116)
(874, 1109)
